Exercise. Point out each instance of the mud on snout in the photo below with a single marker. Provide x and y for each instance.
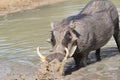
(53, 67)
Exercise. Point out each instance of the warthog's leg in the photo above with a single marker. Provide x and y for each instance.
(80, 60)
(117, 33)
(98, 54)
(83, 61)
(77, 59)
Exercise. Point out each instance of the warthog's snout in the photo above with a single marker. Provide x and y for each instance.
(53, 56)
(60, 58)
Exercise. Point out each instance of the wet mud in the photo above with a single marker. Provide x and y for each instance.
(107, 69)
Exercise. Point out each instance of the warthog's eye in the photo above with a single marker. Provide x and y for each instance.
(53, 42)
(67, 39)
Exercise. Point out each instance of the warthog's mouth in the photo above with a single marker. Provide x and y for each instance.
(59, 65)
(43, 58)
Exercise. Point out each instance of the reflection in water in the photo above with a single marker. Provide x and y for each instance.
(22, 32)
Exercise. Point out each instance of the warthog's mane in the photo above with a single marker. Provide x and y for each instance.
(96, 7)
(72, 18)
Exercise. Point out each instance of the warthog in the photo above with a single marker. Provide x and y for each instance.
(89, 30)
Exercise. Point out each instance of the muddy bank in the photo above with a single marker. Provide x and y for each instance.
(10, 6)
(107, 69)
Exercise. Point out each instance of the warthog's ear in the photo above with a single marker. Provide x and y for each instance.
(52, 25)
(72, 24)
(74, 33)
(48, 40)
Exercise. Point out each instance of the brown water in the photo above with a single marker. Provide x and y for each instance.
(22, 32)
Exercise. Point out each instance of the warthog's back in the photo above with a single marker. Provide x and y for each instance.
(97, 6)
(97, 27)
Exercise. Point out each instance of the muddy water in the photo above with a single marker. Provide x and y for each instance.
(22, 32)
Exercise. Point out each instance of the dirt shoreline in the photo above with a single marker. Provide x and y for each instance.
(11, 6)
(107, 69)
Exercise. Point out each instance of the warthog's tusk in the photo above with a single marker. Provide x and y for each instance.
(43, 58)
(67, 54)
(63, 62)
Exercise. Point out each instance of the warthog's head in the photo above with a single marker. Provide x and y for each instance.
(64, 35)
(64, 42)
